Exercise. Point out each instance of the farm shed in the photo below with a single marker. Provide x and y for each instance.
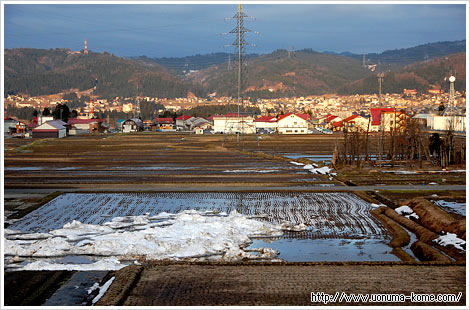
(50, 129)
(132, 125)
(85, 125)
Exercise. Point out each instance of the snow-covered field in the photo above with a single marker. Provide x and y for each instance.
(328, 215)
(187, 235)
(108, 231)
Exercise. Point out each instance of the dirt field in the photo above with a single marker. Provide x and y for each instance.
(160, 159)
(169, 159)
(263, 285)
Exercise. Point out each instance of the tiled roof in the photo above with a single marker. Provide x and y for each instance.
(183, 117)
(164, 120)
(303, 116)
(267, 119)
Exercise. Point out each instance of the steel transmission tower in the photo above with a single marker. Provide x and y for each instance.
(240, 44)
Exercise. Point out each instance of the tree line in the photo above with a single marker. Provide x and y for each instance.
(410, 144)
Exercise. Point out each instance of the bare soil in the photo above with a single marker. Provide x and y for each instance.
(275, 285)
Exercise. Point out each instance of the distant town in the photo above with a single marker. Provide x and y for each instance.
(310, 114)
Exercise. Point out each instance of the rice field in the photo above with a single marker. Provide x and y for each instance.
(328, 215)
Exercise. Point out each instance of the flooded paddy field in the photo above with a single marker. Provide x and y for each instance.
(339, 226)
(456, 207)
(144, 159)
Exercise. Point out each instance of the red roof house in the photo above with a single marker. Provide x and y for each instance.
(376, 114)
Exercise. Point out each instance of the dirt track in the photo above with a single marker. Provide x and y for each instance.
(243, 285)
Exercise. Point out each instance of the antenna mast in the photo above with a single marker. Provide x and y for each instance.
(85, 50)
(451, 108)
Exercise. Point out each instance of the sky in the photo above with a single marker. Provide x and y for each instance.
(177, 30)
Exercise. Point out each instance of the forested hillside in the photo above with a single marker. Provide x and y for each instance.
(40, 72)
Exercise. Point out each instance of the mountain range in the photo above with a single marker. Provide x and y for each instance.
(277, 74)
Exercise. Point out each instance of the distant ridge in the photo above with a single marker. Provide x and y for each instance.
(396, 57)
(277, 74)
(405, 56)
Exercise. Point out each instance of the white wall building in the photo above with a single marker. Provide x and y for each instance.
(455, 123)
(292, 124)
(234, 124)
(266, 122)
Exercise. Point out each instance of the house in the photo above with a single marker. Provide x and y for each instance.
(409, 92)
(202, 127)
(354, 121)
(394, 120)
(132, 125)
(9, 125)
(181, 122)
(199, 122)
(90, 125)
(51, 129)
(165, 124)
(119, 124)
(21, 128)
(231, 123)
(293, 124)
(434, 91)
(376, 114)
(266, 123)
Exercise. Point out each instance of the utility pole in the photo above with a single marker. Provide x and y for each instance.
(381, 129)
(380, 76)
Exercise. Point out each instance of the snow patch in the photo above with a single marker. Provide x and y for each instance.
(399, 171)
(187, 235)
(103, 290)
(407, 212)
(104, 264)
(251, 171)
(404, 210)
(451, 239)
(374, 205)
(296, 163)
